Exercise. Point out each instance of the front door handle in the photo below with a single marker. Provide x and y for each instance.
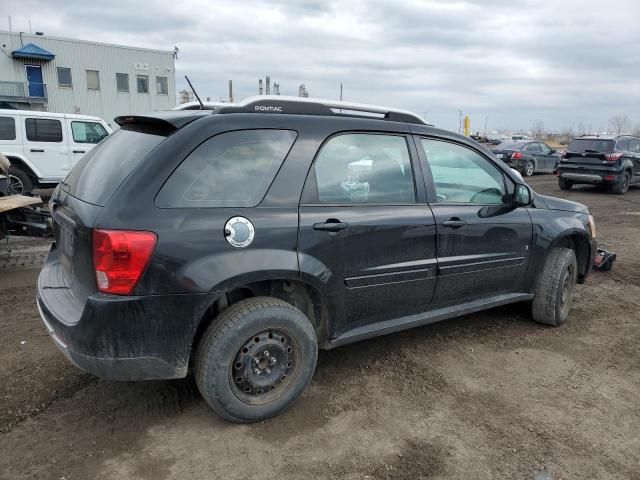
(79, 151)
(331, 225)
(454, 223)
(41, 150)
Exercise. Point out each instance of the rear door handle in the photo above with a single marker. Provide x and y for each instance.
(41, 150)
(79, 151)
(454, 223)
(331, 226)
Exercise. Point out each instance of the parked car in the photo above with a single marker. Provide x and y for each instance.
(609, 161)
(42, 146)
(238, 242)
(528, 157)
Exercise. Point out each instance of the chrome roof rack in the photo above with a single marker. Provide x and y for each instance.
(316, 106)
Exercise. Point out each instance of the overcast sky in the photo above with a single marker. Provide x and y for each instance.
(563, 62)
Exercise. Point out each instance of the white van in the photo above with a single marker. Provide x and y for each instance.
(43, 146)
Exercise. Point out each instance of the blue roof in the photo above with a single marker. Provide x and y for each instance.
(33, 51)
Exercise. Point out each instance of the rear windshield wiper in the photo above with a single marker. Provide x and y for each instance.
(588, 150)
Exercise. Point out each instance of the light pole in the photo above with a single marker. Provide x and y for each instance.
(460, 121)
(485, 125)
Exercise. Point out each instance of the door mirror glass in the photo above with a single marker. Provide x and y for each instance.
(522, 195)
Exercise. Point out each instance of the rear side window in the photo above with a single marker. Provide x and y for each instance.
(622, 145)
(87, 132)
(233, 169)
(7, 128)
(594, 145)
(43, 130)
(101, 171)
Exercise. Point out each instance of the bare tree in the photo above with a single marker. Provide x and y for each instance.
(581, 130)
(619, 123)
(566, 135)
(537, 130)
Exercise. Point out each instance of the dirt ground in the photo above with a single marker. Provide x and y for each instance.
(490, 395)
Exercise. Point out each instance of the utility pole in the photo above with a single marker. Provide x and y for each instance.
(486, 117)
(340, 91)
(230, 91)
(460, 121)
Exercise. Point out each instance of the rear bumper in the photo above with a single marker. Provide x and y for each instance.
(121, 338)
(589, 176)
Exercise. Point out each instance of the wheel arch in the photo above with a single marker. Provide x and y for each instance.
(24, 164)
(578, 242)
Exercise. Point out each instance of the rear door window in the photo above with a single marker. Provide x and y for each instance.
(7, 128)
(43, 130)
(101, 171)
(233, 169)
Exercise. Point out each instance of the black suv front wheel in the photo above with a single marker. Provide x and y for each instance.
(554, 290)
(255, 359)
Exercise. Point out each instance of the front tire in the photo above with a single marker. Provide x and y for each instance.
(256, 359)
(19, 181)
(555, 287)
(564, 184)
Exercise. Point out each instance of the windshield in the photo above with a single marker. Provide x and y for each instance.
(101, 171)
(597, 145)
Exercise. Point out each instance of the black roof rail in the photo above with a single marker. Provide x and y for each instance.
(314, 106)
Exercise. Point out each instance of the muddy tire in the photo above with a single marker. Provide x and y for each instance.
(255, 359)
(622, 186)
(555, 287)
(564, 184)
(19, 181)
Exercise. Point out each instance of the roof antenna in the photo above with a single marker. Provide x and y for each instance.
(195, 93)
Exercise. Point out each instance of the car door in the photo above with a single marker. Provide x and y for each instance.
(46, 146)
(83, 136)
(634, 148)
(483, 241)
(366, 230)
(546, 158)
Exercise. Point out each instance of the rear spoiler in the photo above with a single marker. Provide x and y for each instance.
(160, 123)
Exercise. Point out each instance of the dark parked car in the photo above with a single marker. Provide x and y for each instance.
(238, 242)
(608, 161)
(528, 156)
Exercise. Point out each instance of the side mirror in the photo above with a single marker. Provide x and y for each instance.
(522, 196)
(553, 150)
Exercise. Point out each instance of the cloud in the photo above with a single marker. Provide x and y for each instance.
(516, 61)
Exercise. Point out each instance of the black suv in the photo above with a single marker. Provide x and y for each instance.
(608, 161)
(238, 242)
(528, 157)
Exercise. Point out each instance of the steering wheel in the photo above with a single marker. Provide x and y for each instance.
(488, 191)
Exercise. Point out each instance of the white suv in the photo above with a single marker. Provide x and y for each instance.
(43, 146)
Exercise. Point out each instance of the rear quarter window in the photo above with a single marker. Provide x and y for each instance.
(232, 169)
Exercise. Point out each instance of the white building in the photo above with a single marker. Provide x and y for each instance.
(63, 75)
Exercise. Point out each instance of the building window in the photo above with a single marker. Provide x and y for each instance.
(162, 86)
(122, 82)
(43, 130)
(93, 80)
(64, 77)
(143, 83)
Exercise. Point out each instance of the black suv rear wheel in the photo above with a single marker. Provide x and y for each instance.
(564, 184)
(255, 359)
(554, 290)
(622, 185)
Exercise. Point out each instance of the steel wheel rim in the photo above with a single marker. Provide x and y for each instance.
(568, 284)
(15, 185)
(264, 367)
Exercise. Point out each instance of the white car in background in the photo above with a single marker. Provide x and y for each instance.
(42, 147)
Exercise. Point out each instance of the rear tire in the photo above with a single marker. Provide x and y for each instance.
(256, 359)
(622, 186)
(19, 182)
(555, 287)
(529, 169)
(564, 184)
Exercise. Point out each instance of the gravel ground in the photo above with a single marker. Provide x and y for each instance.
(489, 395)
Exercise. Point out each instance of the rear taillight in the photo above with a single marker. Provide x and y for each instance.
(613, 157)
(120, 257)
(516, 156)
